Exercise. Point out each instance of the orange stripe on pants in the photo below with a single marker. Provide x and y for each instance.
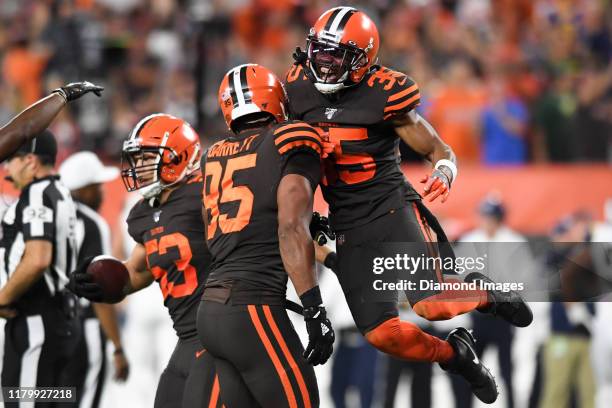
(288, 356)
(214, 397)
(447, 304)
(429, 240)
(274, 357)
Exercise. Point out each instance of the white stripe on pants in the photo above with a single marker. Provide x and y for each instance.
(94, 361)
(29, 361)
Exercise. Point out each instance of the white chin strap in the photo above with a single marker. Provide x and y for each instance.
(152, 190)
(329, 88)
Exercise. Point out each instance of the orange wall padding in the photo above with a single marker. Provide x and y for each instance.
(536, 196)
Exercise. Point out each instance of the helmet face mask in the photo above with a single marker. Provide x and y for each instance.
(141, 168)
(161, 152)
(332, 63)
(341, 48)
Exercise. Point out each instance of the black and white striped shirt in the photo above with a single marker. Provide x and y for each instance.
(44, 211)
(93, 238)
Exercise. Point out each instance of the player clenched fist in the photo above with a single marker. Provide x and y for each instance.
(320, 332)
(439, 182)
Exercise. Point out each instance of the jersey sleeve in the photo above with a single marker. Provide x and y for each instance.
(300, 148)
(37, 214)
(132, 224)
(298, 88)
(403, 97)
(297, 137)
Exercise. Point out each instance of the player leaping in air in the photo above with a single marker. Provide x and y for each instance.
(364, 109)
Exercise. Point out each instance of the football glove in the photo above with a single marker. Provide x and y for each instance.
(437, 184)
(299, 56)
(81, 283)
(75, 90)
(328, 148)
(320, 229)
(321, 334)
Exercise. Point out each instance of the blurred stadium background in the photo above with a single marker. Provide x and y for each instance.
(521, 89)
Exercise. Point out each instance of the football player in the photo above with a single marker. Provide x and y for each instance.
(258, 200)
(364, 109)
(37, 117)
(161, 160)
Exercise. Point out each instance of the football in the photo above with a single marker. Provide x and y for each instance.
(111, 275)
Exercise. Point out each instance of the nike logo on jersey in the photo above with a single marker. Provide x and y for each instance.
(330, 112)
(156, 215)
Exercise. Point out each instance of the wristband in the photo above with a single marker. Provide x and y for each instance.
(311, 298)
(61, 93)
(331, 261)
(452, 166)
(118, 350)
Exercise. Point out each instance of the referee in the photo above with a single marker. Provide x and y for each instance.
(87, 370)
(37, 249)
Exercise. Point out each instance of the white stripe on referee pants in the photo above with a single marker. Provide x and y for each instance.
(31, 357)
(94, 361)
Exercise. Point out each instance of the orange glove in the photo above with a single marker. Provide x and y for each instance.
(437, 184)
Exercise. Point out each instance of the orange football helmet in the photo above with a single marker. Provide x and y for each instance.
(162, 150)
(341, 48)
(251, 88)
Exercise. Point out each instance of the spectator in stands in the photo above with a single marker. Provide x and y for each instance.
(553, 118)
(504, 123)
(456, 109)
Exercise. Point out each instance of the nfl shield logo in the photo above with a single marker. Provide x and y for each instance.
(330, 112)
(156, 215)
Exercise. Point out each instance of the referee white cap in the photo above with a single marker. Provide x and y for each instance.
(84, 168)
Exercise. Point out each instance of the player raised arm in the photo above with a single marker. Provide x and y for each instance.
(39, 116)
(417, 133)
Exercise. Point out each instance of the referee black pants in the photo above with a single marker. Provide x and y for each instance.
(37, 349)
(258, 356)
(87, 368)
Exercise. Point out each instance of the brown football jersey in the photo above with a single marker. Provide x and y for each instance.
(177, 256)
(362, 178)
(242, 175)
